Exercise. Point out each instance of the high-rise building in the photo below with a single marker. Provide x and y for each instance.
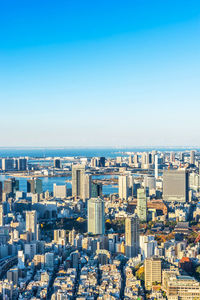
(96, 216)
(31, 223)
(1, 191)
(102, 162)
(132, 235)
(142, 205)
(21, 164)
(71, 236)
(96, 190)
(1, 215)
(152, 271)
(78, 181)
(8, 164)
(34, 186)
(57, 163)
(175, 185)
(87, 187)
(12, 276)
(172, 157)
(11, 185)
(156, 166)
(130, 160)
(59, 191)
(192, 157)
(60, 236)
(123, 187)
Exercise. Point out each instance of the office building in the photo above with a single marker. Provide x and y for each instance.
(1, 215)
(8, 164)
(132, 236)
(147, 246)
(172, 157)
(31, 223)
(142, 205)
(34, 186)
(21, 164)
(78, 181)
(60, 236)
(1, 191)
(96, 216)
(49, 260)
(12, 276)
(87, 187)
(192, 157)
(96, 190)
(57, 163)
(102, 162)
(11, 185)
(156, 166)
(175, 185)
(123, 187)
(59, 191)
(152, 272)
(150, 182)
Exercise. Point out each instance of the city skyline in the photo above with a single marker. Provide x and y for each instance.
(105, 74)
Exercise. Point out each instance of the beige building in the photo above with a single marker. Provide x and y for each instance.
(81, 182)
(123, 187)
(59, 191)
(132, 235)
(31, 223)
(180, 287)
(152, 270)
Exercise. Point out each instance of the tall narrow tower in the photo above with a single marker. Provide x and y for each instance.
(132, 235)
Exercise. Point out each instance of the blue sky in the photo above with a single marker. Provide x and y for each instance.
(100, 73)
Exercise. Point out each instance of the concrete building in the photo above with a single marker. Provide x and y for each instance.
(123, 187)
(152, 271)
(1, 215)
(142, 205)
(34, 186)
(78, 181)
(8, 164)
(31, 223)
(175, 185)
(21, 164)
(59, 191)
(11, 186)
(96, 216)
(192, 157)
(132, 235)
(57, 163)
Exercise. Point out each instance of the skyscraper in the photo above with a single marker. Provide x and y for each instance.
(31, 223)
(132, 236)
(156, 166)
(8, 164)
(21, 164)
(175, 185)
(11, 185)
(192, 157)
(78, 181)
(34, 186)
(123, 187)
(57, 163)
(1, 191)
(142, 205)
(1, 214)
(87, 187)
(96, 216)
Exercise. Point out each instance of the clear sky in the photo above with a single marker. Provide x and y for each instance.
(100, 73)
